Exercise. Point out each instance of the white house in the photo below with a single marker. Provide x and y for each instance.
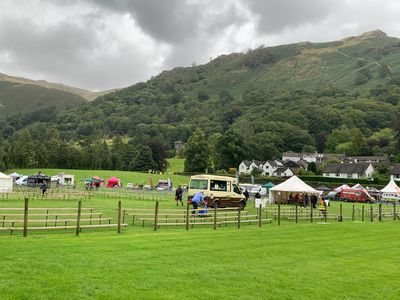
(247, 166)
(283, 172)
(345, 170)
(311, 157)
(395, 172)
(270, 166)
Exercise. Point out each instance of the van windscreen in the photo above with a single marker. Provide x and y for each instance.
(198, 184)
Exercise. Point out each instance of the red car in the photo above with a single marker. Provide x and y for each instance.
(353, 195)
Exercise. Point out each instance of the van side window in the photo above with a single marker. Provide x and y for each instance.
(218, 185)
(236, 189)
(198, 184)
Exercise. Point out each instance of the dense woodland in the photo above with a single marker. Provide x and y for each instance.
(239, 106)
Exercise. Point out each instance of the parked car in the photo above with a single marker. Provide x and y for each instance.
(129, 185)
(22, 181)
(350, 195)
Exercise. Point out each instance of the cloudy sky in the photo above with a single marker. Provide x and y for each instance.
(103, 44)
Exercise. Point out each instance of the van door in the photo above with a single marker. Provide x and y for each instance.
(237, 195)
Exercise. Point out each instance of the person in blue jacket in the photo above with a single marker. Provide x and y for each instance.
(197, 199)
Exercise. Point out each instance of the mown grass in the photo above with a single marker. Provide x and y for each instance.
(349, 260)
(335, 261)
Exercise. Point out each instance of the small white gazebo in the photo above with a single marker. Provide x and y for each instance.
(6, 183)
(391, 191)
(281, 192)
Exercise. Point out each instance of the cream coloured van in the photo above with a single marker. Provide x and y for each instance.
(219, 191)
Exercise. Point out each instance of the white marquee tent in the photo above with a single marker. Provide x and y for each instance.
(6, 183)
(343, 186)
(281, 192)
(391, 191)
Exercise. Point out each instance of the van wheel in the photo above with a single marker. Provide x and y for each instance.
(216, 204)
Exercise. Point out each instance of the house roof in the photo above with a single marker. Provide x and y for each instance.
(358, 168)
(291, 164)
(282, 169)
(247, 162)
(395, 170)
(259, 162)
(274, 163)
(376, 158)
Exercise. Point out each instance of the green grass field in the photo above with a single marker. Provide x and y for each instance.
(349, 260)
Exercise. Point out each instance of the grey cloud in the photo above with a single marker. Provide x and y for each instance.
(278, 15)
(169, 21)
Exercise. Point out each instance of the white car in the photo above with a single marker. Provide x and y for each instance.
(22, 181)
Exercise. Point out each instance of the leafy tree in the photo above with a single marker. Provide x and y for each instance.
(357, 142)
(143, 161)
(231, 150)
(312, 166)
(197, 153)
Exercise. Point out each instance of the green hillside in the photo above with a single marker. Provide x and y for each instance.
(340, 96)
(26, 98)
(86, 94)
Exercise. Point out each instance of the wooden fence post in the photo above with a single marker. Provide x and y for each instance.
(187, 215)
(353, 213)
(215, 217)
(341, 213)
(78, 218)
(362, 212)
(394, 211)
(380, 212)
(26, 217)
(119, 216)
(372, 213)
(156, 216)
(238, 224)
(259, 216)
(279, 214)
(326, 212)
(296, 212)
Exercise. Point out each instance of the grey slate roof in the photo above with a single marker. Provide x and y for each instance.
(359, 168)
(395, 170)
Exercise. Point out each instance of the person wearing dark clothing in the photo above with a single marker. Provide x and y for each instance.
(306, 200)
(314, 200)
(178, 195)
(43, 188)
(246, 195)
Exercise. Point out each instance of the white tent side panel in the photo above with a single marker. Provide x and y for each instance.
(391, 190)
(6, 183)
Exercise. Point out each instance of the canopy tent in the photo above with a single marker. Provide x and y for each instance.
(343, 186)
(358, 187)
(6, 183)
(391, 191)
(268, 185)
(373, 190)
(323, 188)
(280, 193)
(113, 182)
(15, 176)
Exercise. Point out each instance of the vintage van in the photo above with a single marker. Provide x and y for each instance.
(219, 191)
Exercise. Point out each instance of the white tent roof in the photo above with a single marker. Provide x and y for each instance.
(14, 175)
(4, 176)
(391, 188)
(358, 187)
(294, 184)
(343, 186)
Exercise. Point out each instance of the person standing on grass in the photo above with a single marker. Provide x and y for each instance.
(197, 200)
(178, 195)
(43, 188)
(314, 200)
(246, 194)
(322, 207)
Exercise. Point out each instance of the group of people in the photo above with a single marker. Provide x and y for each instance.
(303, 199)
